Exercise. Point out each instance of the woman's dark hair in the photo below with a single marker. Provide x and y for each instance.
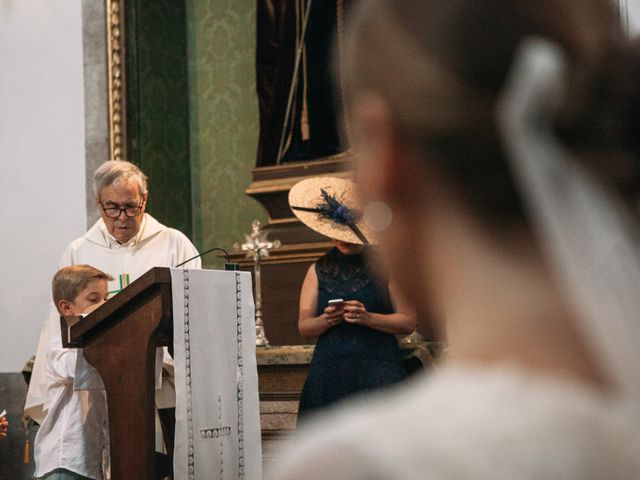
(441, 66)
(329, 263)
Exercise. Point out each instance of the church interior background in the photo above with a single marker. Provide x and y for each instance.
(192, 123)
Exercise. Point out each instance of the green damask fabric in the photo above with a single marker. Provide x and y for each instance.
(158, 106)
(193, 114)
(224, 118)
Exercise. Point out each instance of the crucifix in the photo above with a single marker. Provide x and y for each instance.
(257, 246)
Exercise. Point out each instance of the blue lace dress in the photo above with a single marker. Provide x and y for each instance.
(350, 358)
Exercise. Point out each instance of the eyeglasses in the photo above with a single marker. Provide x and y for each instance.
(115, 212)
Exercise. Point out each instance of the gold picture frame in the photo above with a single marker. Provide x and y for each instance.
(116, 71)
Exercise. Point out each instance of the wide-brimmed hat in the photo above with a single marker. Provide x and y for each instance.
(330, 206)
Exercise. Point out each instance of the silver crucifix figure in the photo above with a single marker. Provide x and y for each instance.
(257, 246)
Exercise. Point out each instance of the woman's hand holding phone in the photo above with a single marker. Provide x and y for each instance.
(334, 311)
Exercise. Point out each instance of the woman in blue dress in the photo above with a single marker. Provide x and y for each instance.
(356, 348)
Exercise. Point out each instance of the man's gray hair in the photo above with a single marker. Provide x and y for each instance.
(115, 171)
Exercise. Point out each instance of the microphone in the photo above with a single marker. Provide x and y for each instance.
(227, 265)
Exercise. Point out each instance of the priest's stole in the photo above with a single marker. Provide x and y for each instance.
(217, 409)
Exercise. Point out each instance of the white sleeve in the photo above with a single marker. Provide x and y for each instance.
(86, 376)
(61, 362)
(187, 250)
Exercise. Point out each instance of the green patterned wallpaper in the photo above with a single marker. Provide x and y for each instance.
(223, 118)
(158, 106)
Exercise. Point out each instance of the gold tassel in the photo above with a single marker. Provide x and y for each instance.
(27, 452)
(304, 119)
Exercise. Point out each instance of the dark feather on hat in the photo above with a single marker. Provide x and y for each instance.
(334, 210)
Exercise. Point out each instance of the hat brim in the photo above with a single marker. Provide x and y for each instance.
(307, 194)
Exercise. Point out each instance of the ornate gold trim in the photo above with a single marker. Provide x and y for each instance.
(116, 72)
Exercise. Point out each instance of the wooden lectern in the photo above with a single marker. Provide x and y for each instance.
(120, 339)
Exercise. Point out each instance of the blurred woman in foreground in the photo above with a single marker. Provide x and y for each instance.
(497, 135)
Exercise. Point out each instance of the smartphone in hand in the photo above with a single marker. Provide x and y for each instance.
(336, 302)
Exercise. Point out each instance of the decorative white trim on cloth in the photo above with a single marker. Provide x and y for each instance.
(217, 408)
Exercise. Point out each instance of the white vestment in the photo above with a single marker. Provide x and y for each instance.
(155, 245)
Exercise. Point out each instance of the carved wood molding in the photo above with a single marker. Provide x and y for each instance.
(116, 72)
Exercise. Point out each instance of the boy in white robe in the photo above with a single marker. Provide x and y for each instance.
(73, 437)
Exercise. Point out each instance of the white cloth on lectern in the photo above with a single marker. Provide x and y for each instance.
(216, 379)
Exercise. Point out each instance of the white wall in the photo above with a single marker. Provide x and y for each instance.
(633, 11)
(42, 173)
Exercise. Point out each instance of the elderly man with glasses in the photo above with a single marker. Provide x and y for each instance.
(125, 243)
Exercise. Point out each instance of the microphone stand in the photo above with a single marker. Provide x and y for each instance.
(227, 266)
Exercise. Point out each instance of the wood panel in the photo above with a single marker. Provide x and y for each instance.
(282, 283)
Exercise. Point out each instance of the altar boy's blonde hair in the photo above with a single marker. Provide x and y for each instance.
(68, 282)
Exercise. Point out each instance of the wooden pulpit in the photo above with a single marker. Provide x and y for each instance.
(119, 339)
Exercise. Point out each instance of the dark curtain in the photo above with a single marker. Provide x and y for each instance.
(312, 128)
